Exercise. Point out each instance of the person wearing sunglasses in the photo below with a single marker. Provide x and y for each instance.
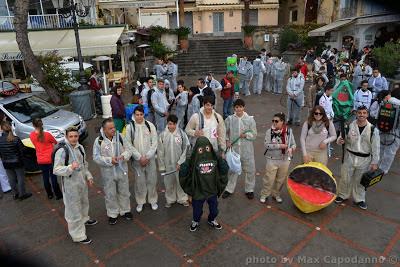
(317, 132)
(280, 145)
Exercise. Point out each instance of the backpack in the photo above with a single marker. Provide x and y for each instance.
(318, 96)
(132, 123)
(101, 139)
(201, 120)
(388, 117)
(149, 103)
(62, 145)
(184, 144)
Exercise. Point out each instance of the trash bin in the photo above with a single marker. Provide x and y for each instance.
(82, 103)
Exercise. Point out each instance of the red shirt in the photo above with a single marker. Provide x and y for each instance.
(43, 149)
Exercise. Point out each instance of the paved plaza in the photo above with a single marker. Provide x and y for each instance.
(253, 233)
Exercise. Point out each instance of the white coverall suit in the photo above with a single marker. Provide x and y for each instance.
(115, 181)
(355, 166)
(172, 148)
(258, 74)
(144, 144)
(234, 127)
(295, 87)
(160, 105)
(245, 72)
(279, 71)
(75, 190)
(181, 106)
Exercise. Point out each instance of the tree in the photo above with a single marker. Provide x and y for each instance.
(246, 16)
(31, 62)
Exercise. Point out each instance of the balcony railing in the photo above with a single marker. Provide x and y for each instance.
(49, 21)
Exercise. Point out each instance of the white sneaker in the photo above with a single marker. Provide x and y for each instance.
(278, 199)
(154, 206)
(263, 199)
(139, 208)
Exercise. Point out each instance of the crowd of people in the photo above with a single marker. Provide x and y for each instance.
(177, 132)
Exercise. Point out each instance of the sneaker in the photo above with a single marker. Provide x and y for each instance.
(362, 205)
(139, 208)
(226, 194)
(50, 196)
(278, 199)
(250, 195)
(339, 200)
(194, 226)
(263, 199)
(128, 216)
(16, 196)
(59, 197)
(154, 206)
(25, 196)
(168, 205)
(185, 204)
(215, 224)
(86, 241)
(112, 221)
(91, 222)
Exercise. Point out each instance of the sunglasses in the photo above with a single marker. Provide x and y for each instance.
(275, 121)
(317, 113)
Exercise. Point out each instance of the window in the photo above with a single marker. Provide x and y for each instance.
(293, 15)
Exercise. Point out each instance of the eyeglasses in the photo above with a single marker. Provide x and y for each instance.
(317, 114)
(275, 121)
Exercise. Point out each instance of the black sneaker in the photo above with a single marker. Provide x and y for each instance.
(250, 195)
(339, 200)
(59, 197)
(91, 222)
(215, 224)
(362, 205)
(50, 196)
(25, 196)
(194, 226)
(128, 216)
(226, 194)
(86, 241)
(112, 221)
(16, 196)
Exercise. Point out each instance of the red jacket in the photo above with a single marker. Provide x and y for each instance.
(94, 84)
(227, 93)
(302, 68)
(44, 149)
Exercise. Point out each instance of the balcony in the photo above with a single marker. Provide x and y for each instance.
(47, 21)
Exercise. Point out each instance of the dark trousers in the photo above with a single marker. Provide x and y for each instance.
(227, 108)
(198, 208)
(47, 172)
(16, 177)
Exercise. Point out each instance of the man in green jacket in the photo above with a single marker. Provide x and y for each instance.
(203, 176)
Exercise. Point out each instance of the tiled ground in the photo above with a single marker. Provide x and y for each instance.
(253, 233)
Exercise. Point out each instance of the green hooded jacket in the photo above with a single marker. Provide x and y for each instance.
(203, 174)
(343, 100)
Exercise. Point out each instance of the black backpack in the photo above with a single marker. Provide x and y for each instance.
(201, 120)
(149, 104)
(388, 117)
(132, 123)
(62, 145)
(318, 96)
(101, 139)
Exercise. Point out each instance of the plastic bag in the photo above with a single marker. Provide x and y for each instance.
(233, 160)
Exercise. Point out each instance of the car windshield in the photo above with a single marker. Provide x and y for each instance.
(26, 109)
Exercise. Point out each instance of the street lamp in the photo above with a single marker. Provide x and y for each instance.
(74, 9)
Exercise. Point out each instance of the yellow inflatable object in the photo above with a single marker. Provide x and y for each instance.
(311, 186)
(28, 143)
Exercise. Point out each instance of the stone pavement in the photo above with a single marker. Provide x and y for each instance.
(253, 233)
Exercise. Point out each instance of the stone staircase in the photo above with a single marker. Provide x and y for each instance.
(210, 54)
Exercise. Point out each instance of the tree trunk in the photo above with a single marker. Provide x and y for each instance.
(181, 4)
(31, 62)
(246, 15)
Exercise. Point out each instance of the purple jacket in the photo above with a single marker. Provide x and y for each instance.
(117, 107)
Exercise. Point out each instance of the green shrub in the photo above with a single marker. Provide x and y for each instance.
(159, 49)
(287, 36)
(388, 58)
(249, 29)
(182, 32)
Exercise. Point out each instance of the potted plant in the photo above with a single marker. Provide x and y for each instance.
(183, 34)
(248, 35)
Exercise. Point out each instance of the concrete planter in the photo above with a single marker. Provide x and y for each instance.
(170, 40)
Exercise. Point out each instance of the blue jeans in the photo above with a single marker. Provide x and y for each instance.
(227, 109)
(47, 172)
(198, 208)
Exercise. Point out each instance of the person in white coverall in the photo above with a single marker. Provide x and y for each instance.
(241, 125)
(142, 137)
(181, 105)
(70, 163)
(114, 170)
(245, 72)
(258, 74)
(160, 104)
(173, 144)
(278, 72)
(362, 155)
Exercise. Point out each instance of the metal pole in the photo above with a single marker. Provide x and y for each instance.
(177, 13)
(140, 18)
(82, 77)
(8, 9)
(41, 7)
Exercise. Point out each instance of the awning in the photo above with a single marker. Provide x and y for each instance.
(135, 4)
(330, 27)
(94, 42)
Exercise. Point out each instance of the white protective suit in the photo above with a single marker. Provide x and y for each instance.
(362, 98)
(160, 105)
(160, 71)
(355, 166)
(193, 106)
(245, 73)
(144, 144)
(181, 106)
(359, 75)
(295, 86)
(258, 74)
(234, 127)
(172, 74)
(378, 84)
(278, 74)
(144, 95)
(172, 148)
(75, 189)
(4, 184)
(390, 143)
(115, 177)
